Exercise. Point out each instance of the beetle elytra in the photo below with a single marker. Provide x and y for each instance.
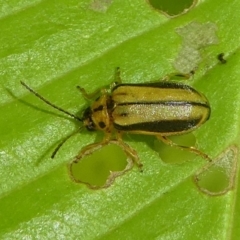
(161, 109)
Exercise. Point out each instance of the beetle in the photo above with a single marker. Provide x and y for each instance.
(161, 109)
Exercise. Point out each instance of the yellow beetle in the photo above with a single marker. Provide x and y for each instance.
(161, 109)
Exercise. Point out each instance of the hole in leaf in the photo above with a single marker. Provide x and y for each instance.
(218, 177)
(99, 167)
(172, 8)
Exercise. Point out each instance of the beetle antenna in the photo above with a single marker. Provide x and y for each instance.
(63, 141)
(49, 103)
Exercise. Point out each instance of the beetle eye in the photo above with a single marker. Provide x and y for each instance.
(90, 126)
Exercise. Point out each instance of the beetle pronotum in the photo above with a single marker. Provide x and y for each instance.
(161, 109)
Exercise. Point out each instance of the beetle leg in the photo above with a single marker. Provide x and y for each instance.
(191, 149)
(89, 96)
(177, 76)
(88, 149)
(117, 78)
(130, 151)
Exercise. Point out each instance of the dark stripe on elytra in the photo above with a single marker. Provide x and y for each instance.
(158, 85)
(160, 126)
(165, 103)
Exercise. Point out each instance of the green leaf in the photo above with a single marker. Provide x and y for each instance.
(54, 46)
